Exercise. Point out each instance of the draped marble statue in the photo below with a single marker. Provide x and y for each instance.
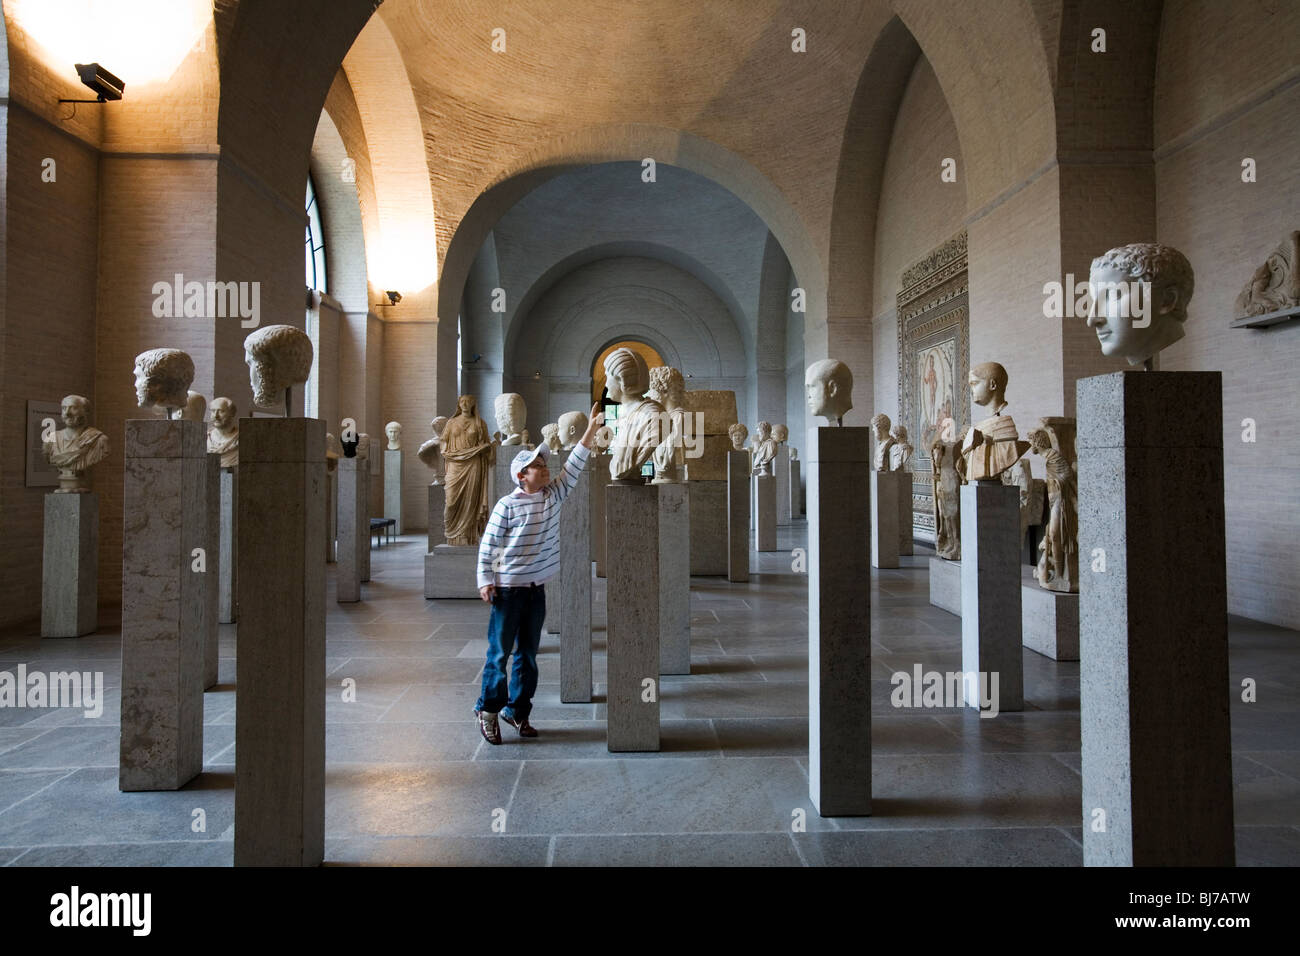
(640, 419)
(76, 447)
(1058, 562)
(469, 453)
(946, 484)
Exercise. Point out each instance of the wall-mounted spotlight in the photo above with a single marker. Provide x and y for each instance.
(537, 375)
(104, 84)
(393, 297)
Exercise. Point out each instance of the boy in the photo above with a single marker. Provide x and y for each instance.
(519, 551)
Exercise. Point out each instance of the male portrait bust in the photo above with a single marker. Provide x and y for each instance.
(880, 426)
(639, 433)
(431, 451)
(223, 436)
(511, 415)
(1167, 286)
(551, 436)
(738, 433)
(76, 447)
(901, 450)
(393, 431)
(163, 378)
(764, 448)
(572, 427)
(278, 358)
(828, 389)
(668, 388)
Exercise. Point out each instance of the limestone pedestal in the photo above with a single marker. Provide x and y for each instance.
(228, 585)
(212, 596)
(1049, 619)
(165, 519)
(70, 572)
(573, 602)
(437, 512)
(1154, 683)
(363, 519)
(280, 707)
(708, 503)
(990, 593)
(599, 482)
(781, 472)
(885, 487)
(393, 486)
(354, 536)
(765, 513)
(331, 514)
(796, 492)
(839, 623)
(674, 579)
(945, 585)
(503, 482)
(451, 572)
(738, 515)
(904, 512)
(632, 698)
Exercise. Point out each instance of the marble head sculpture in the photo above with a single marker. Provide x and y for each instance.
(196, 407)
(992, 445)
(430, 452)
(163, 378)
(76, 447)
(880, 426)
(901, 450)
(738, 433)
(780, 434)
(511, 414)
(551, 436)
(764, 448)
(1132, 324)
(393, 430)
(572, 427)
(279, 357)
(668, 388)
(223, 436)
(828, 389)
(639, 433)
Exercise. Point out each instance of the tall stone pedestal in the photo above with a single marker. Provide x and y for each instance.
(574, 600)
(437, 512)
(1049, 619)
(904, 512)
(70, 572)
(393, 486)
(796, 492)
(765, 513)
(839, 623)
(599, 482)
(331, 513)
(451, 572)
(632, 698)
(708, 503)
(363, 519)
(354, 534)
(212, 596)
(165, 488)
(781, 472)
(280, 707)
(674, 579)
(884, 518)
(990, 593)
(228, 585)
(503, 482)
(738, 515)
(945, 585)
(1153, 640)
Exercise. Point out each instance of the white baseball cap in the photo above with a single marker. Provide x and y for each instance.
(526, 458)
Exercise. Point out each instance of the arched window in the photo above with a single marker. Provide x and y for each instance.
(315, 246)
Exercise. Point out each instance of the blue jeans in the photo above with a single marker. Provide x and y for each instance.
(516, 622)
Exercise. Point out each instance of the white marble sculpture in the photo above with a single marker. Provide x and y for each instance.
(470, 455)
(992, 445)
(1138, 326)
(278, 357)
(900, 453)
(393, 432)
(880, 426)
(828, 389)
(763, 449)
(1031, 493)
(738, 433)
(551, 436)
(431, 451)
(668, 388)
(333, 452)
(223, 436)
(76, 447)
(781, 434)
(572, 427)
(363, 446)
(1058, 562)
(946, 485)
(640, 419)
(1275, 285)
(196, 407)
(511, 415)
(162, 379)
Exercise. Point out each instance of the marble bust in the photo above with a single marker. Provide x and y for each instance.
(223, 436)
(196, 407)
(278, 357)
(551, 436)
(880, 426)
(75, 448)
(828, 389)
(640, 419)
(393, 432)
(363, 446)
(738, 433)
(900, 453)
(511, 415)
(573, 425)
(668, 388)
(781, 434)
(992, 445)
(431, 451)
(1138, 327)
(764, 446)
(163, 378)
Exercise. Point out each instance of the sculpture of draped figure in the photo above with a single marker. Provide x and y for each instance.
(469, 453)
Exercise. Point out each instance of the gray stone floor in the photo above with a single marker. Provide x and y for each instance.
(410, 781)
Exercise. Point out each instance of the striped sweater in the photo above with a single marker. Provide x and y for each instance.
(521, 544)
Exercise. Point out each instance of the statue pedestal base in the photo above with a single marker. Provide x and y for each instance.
(331, 513)
(904, 512)
(1050, 619)
(709, 526)
(393, 487)
(674, 579)
(765, 513)
(990, 592)
(228, 589)
(165, 519)
(70, 573)
(945, 585)
(781, 472)
(1153, 626)
(451, 572)
(885, 487)
(632, 698)
(796, 492)
(280, 707)
(437, 509)
(839, 623)
(738, 510)
(599, 482)
(354, 530)
(212, 578)
(573, 602)
(363, 520)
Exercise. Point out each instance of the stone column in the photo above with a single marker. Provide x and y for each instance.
(212, 597)
(599, 482)
(280, 707)
(393, 486)
(165, 519)
(363, 519)
(437, 513)
(574, 604)
(331, 513)
(990, 594)
(781, 472)
(796, 496)
(738, 516)
(70, 573)
(674, 579)
(354, 536)
(884, 519)
(632, 698)
(765, 513)
(1153, 631)
(839, 623)
(228, 590)
(904, 512)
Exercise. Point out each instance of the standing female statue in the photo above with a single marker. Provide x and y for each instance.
(469, 454)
